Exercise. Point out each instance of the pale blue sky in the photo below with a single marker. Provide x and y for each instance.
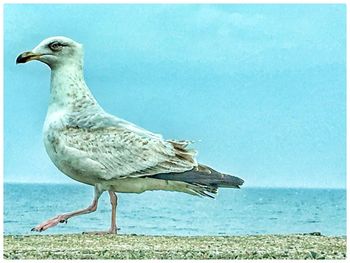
(262, 87)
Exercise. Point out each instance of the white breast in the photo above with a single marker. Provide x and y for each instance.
(68, 160)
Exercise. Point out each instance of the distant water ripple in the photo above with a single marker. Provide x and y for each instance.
(234, 212)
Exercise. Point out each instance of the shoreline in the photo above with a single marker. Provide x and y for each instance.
(90, 246)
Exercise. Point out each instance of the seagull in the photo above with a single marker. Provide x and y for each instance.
(96, 148)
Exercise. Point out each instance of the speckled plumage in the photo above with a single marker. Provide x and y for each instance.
(94, 147)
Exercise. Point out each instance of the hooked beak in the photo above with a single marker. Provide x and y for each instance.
(27, 56)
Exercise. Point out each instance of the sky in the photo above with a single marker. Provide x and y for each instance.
(261, 89)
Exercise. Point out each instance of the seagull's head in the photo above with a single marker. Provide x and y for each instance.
(55, 52)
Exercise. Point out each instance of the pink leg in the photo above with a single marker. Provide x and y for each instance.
(113, 229)
(64, 217)
(114, 202)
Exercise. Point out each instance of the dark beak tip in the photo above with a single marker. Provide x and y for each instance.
(26, 56)
(20, 59)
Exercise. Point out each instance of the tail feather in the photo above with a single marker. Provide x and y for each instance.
(203, 180)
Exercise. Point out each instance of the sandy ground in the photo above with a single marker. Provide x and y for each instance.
(88, 246)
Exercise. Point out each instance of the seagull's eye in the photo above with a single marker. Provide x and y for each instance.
(55, 46)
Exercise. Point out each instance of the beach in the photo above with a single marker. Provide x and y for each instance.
(90, 246)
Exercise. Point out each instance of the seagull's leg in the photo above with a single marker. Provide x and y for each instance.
(113, 229)
(114, 201)
(64, 217)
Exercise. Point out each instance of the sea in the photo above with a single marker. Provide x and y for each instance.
(246, 211)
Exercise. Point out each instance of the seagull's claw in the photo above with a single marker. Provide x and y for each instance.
(50, 223)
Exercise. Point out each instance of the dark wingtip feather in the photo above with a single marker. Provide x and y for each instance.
(231, 181)
(204, 179)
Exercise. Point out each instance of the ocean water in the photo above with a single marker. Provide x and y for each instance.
(233, 212)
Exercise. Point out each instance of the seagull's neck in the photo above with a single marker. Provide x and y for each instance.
(68, 89)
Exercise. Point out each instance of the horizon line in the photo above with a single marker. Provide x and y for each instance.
(244, 187)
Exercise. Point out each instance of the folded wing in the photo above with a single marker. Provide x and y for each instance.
(125, 150)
